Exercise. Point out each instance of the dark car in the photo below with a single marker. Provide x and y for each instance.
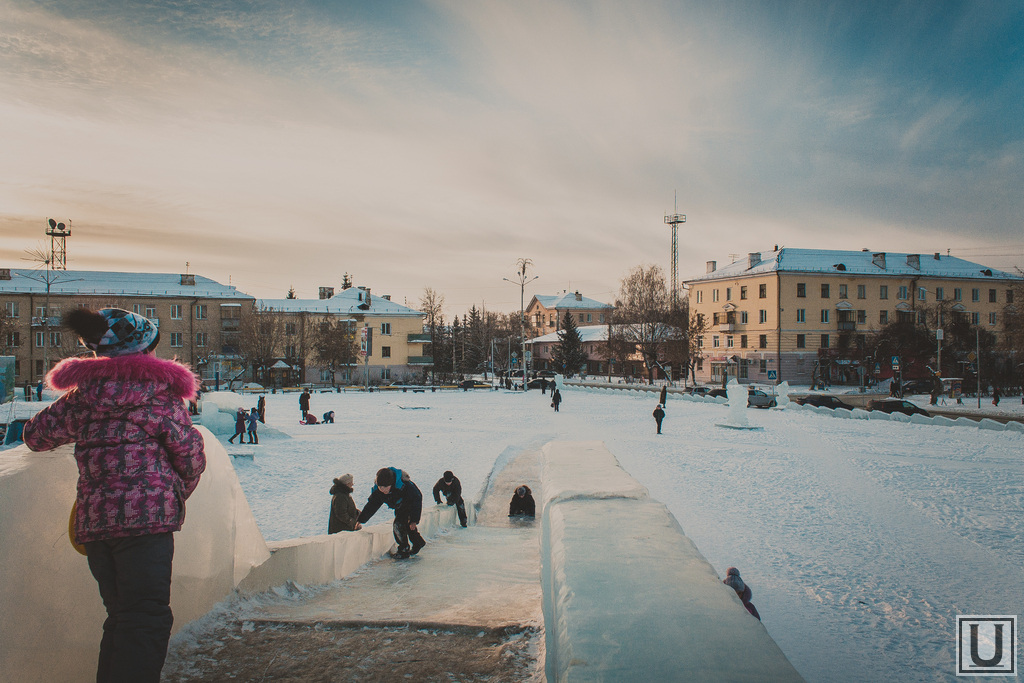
(696, 391)
(822, 401)
(717, 393)
(895, 405)
(540, 383)
(759, 399)
(918, 386)
(473, 384)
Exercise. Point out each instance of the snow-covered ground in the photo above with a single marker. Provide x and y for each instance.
(861, 539)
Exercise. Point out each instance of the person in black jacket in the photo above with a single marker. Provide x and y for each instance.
(304, 402)
(659, 415)
(394, 487)
(522, 503)
(451, 487)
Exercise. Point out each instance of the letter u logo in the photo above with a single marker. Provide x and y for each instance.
(997, 657)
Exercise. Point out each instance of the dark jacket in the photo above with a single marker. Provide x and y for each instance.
(452, 492)
(404, 498)
(304, 401)
(344, 512)
(659, 414)
(524, 505)
(240, 420)
(556, 397)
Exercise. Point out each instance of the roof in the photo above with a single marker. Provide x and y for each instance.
(86, 282)
(588, 333)
(567, 300)
(346, 302)
(788, 260)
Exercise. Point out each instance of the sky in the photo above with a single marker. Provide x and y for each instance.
(433, 144)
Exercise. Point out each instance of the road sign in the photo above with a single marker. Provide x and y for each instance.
(895, 362)
(773, 374)
(971, 357)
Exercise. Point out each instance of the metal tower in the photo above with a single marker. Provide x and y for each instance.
(674, 220)
(58, 233)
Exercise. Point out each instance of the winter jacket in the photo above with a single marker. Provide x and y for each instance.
(253, 419)
(404, 498)
(524, 505)
(304, 401)
(240, 419)
(139, 457)
(659, 414)
(452, 492)
(344, 512)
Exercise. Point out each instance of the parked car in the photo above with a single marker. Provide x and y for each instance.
(759, 399)
(917, 386)
(716, 393)
(822, 401)
(473, 384)
(696, 391)
(895, 405)
(540, 382)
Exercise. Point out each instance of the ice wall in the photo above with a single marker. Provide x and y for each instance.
(627, 596)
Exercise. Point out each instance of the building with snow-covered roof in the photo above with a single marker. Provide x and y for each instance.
(595, 345)
(545, 312)
(393, 333)
(798, 314)
(198, 317)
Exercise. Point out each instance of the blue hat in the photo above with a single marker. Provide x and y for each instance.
(126, 333)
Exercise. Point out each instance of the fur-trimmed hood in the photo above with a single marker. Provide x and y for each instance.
(71, 373)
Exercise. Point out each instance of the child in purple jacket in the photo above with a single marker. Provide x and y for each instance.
(139, 458)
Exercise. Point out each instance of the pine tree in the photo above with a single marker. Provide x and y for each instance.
(291, 293)
(569, 356)
(346, 281)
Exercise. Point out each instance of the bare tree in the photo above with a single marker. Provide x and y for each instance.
(432, 307)
(333, 343)
(642, 311)
(260, 334)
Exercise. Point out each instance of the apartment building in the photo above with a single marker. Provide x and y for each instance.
(773, 316)
(545, 313)
(198, 317)
(595, 345)
(398, 347)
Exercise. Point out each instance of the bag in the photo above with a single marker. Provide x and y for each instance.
(552, 404)
(71, 530)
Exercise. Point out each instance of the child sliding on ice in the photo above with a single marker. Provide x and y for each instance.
(139, 458)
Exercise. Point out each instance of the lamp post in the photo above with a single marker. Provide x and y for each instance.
(522, 281)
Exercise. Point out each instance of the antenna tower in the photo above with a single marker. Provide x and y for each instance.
(674, 220)
(58, 233)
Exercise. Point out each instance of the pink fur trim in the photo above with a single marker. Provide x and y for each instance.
(137, 367)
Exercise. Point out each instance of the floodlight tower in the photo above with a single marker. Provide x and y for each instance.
(58, 233)
(674, 220)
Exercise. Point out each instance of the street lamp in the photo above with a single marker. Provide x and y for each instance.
(522, 281)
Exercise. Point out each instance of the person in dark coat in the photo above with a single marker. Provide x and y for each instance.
(394, 487)
(344, 513)
(659, 415)
(304, 402)
(995, 395)
(522, 503)
(39, 391)
(543, 386)
(743, 592)
(556, 399)
(261, 408)
(451, 487)
(253, 420)
(664, 395)
(240, 422)
(329, 417)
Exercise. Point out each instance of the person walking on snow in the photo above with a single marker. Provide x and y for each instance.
(261, 408)
(451, 487)
(240, 421)
(394, 487)
(254, 420)
(139, 459)
(556, 399)
(304, 402)
(344, 513)
(659, 415)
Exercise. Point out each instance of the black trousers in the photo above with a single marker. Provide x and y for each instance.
(403, 534)
(134, 577)
(460, 507)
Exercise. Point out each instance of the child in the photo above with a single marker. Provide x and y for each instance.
(394, 487)
(139, 458)
(254, 418)
(344, 512)
(743, 592)
(522, 503)
(240, 421)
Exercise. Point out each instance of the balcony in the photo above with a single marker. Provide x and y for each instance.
(418, 338)
(726, 327)
(421, 360)
(847, 325)
(229, 323)
(51, 321)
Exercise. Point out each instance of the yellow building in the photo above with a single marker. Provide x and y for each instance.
(773, 316)
(545, 312)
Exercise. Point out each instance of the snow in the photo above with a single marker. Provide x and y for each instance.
(862, 539)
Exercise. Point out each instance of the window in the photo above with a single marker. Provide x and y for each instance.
(903, 294)
(290, 351)
(13, 309)
(714, 341)
(200, 311)
(801, 289)
(883, 291)
(40, 339)
(176, 340)
(1009, 296)
(862, 291)
(801, 341)
(700, 342)
(385, 373)
(842, 292)
(743, 341)
(824, 341)
(589, 319)
(975, 294)
(700, 297)
(958, 294)
(975, 318)
(728, 293)
(992, 318)
(762, 341)
(600, 317)
(743, 292)
(922, 318)
(762, 316)
(743, 318)
(326, 375)
(801, 315)
(824, 290)
(940, 294)
(762, 291)
(992, 296)
(137, 309)
(862, 317)
(385, 352)
(13, 339)
(714, 295)
(764, 366)
(385, 328)
(581, 318)
(922, 294)
(40, 311)
(883, 317)
(202, 339)
(289, 328)
(17, 367)
(40, 369)
(728, 342)
(715, 318)
(824, 315)
(55, 340)
(175, 311)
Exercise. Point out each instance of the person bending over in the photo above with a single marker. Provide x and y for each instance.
(394, 487)
(522, 503)
(451, 487)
